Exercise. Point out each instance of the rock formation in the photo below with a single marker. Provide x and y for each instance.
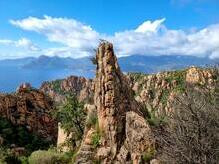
(31, 108)
(156, 91)
(123, 135)
(113, 98)
(117, 112)
(79, 86)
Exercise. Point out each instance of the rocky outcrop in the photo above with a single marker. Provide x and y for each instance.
(30, 108)
(200, 76)
(61, 139)
(117, 111)
(157, 91)
(79, 86)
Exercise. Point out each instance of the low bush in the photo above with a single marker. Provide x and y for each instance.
(95, 140)
(50, 157)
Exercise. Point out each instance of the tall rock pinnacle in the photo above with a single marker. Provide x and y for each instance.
(113, 98)
(109, 97)
(125, 134)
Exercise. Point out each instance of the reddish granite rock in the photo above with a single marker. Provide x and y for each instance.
(31, 108)
(79, 86)
(114, 100)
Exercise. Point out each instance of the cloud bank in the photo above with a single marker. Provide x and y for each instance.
(149, 38)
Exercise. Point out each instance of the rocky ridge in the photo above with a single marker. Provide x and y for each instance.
(157, 91)
(79, 86)
(154, 91)
(30, 108)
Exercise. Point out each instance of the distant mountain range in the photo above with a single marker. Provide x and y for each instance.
(135, 63)
(45, 62)
(44, 68)
(154, 64)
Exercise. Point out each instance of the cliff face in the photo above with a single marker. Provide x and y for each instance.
(29, 107)
(79, 86)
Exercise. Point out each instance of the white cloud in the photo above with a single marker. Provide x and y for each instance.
(22, 43)
(163, 41)
(69, 32)
(149, 26)
(150, 38)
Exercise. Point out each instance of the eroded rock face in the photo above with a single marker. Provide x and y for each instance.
(139, 139)
(29, 107)
(79, 86)
(197, 76)
(117, 110)
(113, 98)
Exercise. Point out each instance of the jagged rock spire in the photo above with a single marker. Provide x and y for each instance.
(113, 98)
(125, 134)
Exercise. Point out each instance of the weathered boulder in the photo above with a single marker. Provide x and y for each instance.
(139, 139)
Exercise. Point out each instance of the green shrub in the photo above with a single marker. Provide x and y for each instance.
(23, 159)
(50, 157)
(44, 157)
(7, 157)
(164, 97)
(95, 140)
(179, 77)
(56, 86)
(20, 136)
(72, 116)
(4, 153)
(12, 160)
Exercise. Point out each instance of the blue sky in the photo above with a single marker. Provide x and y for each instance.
(74, 27)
